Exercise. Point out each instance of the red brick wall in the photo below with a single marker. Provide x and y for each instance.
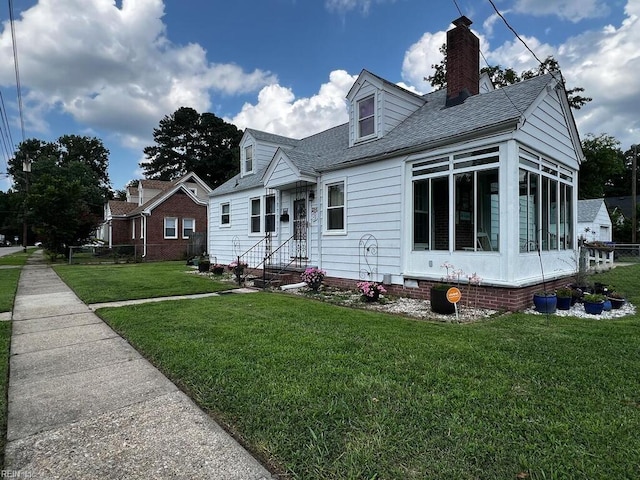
(463, 61)
(120, 231)
(179, 206)
(495, 298)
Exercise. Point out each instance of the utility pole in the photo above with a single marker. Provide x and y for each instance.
(634, 206)
(26, 168)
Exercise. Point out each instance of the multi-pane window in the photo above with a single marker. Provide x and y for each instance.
(188, 227)
(477, 211)
(255, 215)
(546, 207)
(335, 206)
(270, 213)
(170, 227)
(431, 214)
(366, 117)
(248, 159)
(529, 207)
(225, 214)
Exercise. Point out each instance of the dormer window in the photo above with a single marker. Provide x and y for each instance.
(248, 159)
(366, 117)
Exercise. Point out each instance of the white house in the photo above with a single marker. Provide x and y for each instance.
(594, 222)
(481, 178)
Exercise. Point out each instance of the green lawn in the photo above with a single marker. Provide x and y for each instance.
(326, 392)
(9, 275)
(106, 283)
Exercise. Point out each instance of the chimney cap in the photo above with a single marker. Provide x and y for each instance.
(462, 22)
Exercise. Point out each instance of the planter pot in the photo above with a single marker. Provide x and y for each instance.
(203, 266)
(374, 298)
(545, 303)
(564, 303)
(593, 308)
(314, 285)
(616, 303)
(218, 270)
(439, 302)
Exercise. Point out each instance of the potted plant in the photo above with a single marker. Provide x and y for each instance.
(593, 303)
(545, 302)
(439, 301)
(217, 269)
(616, 299)
(565, 297)
(204, 263)
(371, 291)
(313, 277)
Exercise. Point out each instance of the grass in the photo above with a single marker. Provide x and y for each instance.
(107, 283)
(326, 392)
(9, 277)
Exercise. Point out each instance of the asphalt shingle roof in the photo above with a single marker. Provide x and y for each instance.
(430, 125)
(588, 209)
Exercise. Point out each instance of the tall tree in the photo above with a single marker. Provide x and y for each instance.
(502, 77)
(66, 187)
(604, 162)
(189, 141)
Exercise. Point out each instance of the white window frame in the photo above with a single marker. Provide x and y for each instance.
(273, 214)
(255, 215)
(226, 224)
(373, 116)
(343, 230)
(175, 227)
(244, 159)
(193, 229)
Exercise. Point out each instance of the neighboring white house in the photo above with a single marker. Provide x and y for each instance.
(477, 177)
(594, 222)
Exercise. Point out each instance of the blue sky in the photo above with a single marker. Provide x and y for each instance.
(114, 69)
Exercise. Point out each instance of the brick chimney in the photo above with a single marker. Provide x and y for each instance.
(463, 62)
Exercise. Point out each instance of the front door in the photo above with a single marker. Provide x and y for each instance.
(300, 228)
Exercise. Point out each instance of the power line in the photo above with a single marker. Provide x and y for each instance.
(15, 63)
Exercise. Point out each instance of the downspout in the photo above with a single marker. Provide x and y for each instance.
(144, 235)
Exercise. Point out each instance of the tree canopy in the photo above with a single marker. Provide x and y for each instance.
(67, 187)
(187, 141)
(502, 77)
(604, 162)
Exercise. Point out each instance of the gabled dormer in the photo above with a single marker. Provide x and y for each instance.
(376, 107)
(257, 149)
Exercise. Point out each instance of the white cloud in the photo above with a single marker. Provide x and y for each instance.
(113, 68)
(419, 58)
(278, 111)
(344, 6)
(572, 10)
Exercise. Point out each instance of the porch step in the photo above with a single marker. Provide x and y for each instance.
(273, 280)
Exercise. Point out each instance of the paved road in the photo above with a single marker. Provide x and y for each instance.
(9, 250)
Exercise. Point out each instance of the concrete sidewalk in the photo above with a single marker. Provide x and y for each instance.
(84, 404)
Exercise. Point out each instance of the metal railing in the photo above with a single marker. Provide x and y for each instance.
(261, 256)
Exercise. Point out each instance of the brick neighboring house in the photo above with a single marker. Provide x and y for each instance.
(158, 218)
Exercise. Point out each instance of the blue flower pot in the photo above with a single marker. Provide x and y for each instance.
(545, 303)
(606, 306)
(564, 303)
(593, 308)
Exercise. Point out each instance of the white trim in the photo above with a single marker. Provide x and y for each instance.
(343, 230)
(193, 229)
(251, 216)
(167, 237)
(228, 214)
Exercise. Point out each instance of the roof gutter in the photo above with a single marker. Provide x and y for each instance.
(512, 123)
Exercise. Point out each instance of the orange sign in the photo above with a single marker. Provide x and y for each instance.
(454, 295)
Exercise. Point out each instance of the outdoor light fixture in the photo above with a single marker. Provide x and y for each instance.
(312, 194)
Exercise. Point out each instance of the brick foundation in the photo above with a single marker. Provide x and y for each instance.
(495, 298)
